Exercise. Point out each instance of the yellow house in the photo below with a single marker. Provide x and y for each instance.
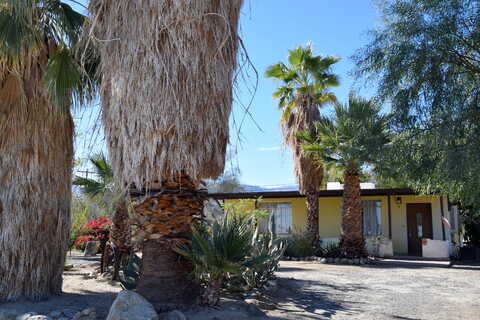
(395, 221)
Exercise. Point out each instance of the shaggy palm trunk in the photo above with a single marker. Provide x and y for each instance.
(312, 216)
(352, 242)
(36, 156)
(167, 215)
(168, 69)
(120, 234)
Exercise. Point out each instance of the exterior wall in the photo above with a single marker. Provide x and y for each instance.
(399, 219)
(330, 216)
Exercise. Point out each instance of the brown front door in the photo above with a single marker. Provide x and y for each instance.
(419, 225)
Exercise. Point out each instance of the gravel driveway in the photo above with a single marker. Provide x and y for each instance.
(388, 290)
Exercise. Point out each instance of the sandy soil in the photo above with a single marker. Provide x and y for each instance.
(309, 290)
(80, 291)
(388, 290)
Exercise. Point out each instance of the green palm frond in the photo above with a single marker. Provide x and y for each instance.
(356, 135)
(305, 74)
(104, 178)
(54, 28)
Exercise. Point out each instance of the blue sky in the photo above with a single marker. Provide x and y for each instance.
(269, 28)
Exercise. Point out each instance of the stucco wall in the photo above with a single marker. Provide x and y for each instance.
(330, 216)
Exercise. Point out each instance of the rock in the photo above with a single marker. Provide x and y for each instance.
(337, 260)
(356, 261)
(25, 316)
(69, 313)
(91, 249)
(344, 260)
(55, 314)
(130, 305)
(175, 315)
(350, 261)
(323, 260)
(330, 260)
(87, 314)
(38, 317)
(362, 260)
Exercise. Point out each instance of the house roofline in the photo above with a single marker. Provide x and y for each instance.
(296, 194)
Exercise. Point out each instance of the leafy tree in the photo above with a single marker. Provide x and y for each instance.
(304, 88)
(426, 61)
(41, 78)
(354, 137)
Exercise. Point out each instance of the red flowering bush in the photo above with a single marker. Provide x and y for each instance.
(94, 230)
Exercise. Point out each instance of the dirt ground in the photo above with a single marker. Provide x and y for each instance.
(80, 291)
(309, 290)
(388, 290)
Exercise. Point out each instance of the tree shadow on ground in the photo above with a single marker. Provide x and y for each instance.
(101, 301)
(310, 299)
(418, 265)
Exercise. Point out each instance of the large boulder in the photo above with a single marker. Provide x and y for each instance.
(130, 305)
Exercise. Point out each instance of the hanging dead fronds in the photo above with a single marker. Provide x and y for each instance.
(167, 76)
(36, 157)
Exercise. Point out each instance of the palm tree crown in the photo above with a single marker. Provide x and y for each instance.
(46, 31)
(305, 76)
(304, 88)
(104, 178)
(352, 138)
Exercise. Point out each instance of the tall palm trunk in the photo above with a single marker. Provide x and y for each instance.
(121, 233)
(168, 70)
(312, 216)
(352, 241)
(36, 157)
(168, 214)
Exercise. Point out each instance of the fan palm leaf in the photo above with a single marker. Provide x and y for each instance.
(303, 90)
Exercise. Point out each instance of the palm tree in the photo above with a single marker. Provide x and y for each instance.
(102, 189)
(40, 79)
(167, 76)
(355, 136)
(304, 88)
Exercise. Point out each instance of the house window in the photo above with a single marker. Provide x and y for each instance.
(372, 217)
(280, 220)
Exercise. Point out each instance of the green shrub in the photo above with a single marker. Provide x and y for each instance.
(230, 254)
(299, 245)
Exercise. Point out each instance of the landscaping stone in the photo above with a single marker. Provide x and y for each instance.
(330, 260)
(344, 260)
(130, 305)
(25, 316)
(337, 260)
(323, 260)
(55, 314)
(356, 261)
(38, 317)
(91, 249)
(87, 314)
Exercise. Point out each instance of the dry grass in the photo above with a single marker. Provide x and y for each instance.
(167, 76)
(36, 154)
